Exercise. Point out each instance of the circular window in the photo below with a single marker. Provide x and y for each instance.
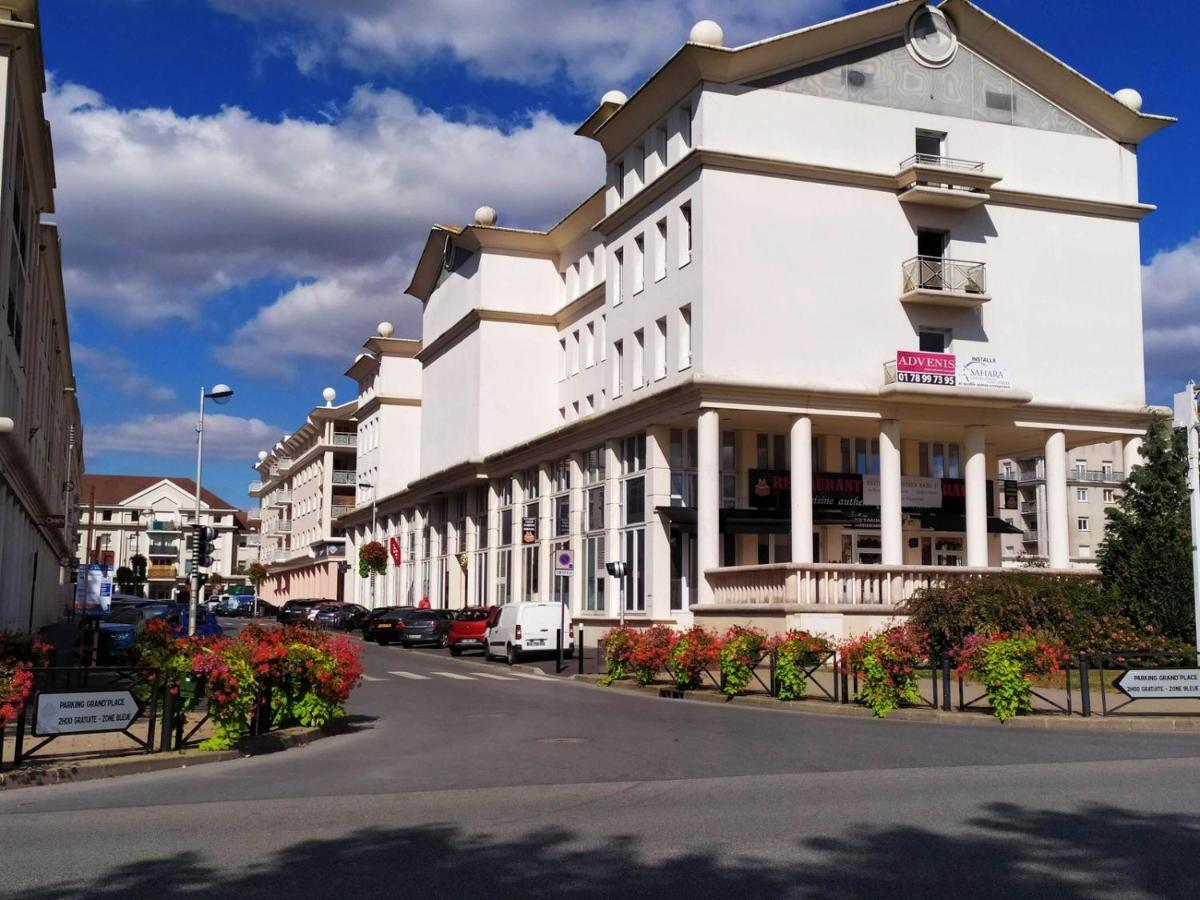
(931, 37)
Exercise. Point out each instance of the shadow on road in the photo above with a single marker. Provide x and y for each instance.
(1006, 851)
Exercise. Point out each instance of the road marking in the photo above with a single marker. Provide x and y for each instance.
(453, 675)
(372, 678)
(497, 677)
(534, 677)
(413, 675)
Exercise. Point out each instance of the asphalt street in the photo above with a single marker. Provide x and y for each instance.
(470, 780)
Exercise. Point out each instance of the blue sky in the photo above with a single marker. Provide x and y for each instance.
(243, 185)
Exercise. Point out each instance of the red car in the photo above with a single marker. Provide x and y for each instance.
(468, 631)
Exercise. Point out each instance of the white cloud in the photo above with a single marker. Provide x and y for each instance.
(595, 45)
(160, 211)
(1171, 312)
(116, 371)
(225, 437)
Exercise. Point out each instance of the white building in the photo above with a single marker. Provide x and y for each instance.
(307, 480)
(41, 440)
(1094, 479)
(152, 516)
(771, 363)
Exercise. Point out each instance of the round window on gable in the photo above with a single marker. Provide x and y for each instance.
(932, 40)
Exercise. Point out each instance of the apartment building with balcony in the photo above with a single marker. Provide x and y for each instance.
(41, 439)
(1094, 478)
(773, 363)
(304, 481)
(152, 516)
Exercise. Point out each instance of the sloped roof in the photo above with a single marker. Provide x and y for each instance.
(114, 490)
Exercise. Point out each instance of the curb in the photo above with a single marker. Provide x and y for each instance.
(1143, 724)
(93, 769)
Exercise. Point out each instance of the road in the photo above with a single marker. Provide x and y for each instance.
(462, 780)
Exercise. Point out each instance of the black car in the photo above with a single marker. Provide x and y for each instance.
(340, 616)
(383, 625)
(295, 612)
(427, 626)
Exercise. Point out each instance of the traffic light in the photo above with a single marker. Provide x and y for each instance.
(202, 546)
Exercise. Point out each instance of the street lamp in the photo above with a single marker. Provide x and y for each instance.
(363, 485)
(220, 394)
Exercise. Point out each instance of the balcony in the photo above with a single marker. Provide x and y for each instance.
(344, 476)
(1028, 507)
(282, 526)
(936, 281)
(280, 466)
(254, 514)
(162, 573)
(339, 509)
(1030, 537)
(943, 181)
(164, 525)
(345, 439)
(164, 550)
(1030, 475)
(254, 488)
(281, 497)
(1093, 476)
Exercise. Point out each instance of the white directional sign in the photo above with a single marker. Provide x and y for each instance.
(84, 712)
(1160, 684)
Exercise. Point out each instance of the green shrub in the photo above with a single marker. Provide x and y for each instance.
(695, 650)
(1007, 665)
(619, 644)
(795, 653)
(889, 669)
(741, 650)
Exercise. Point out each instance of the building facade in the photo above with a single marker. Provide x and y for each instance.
(41, 440)
(151, 516)
(1094, 478)
(306, 481)
(772, 365)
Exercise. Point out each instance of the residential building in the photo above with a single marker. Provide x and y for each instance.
(152, 516)
(1094, 478)
(388, 415)
(306, 481)
(41, 440)
(769, 365)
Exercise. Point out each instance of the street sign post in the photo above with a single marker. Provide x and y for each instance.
(83, 712)
(564, 563)
(1160, 684)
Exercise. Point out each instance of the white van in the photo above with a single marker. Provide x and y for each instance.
(521, 628)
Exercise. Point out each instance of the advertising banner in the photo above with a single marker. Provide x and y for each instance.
(93, 589)
(529, 530)
(394, 549)
(983, 372)
(917, 367)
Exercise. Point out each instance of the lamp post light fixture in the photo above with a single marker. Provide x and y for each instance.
(220, 394)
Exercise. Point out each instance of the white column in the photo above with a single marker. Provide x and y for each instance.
(577, 585)
(708, 498)
(1132, 454)
(976, 472)
(493, 528)
(658, 528)
(891, 522)
(802, 509)
(1057, 547)
(545, 529)
(516, 567)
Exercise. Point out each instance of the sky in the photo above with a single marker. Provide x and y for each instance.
(244, 185)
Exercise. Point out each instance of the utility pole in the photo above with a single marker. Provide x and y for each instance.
(1186, 417)
(91, 525)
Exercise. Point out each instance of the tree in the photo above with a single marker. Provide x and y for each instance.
(124, 577)
(137, 563)
(1146, 557)
(215, 580)
(256, 574)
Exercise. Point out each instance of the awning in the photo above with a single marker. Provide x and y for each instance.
(769, 521)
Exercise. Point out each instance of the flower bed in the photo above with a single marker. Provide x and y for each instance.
(19, 653)
(309, 674)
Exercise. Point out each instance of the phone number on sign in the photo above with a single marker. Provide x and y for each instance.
(924, 378)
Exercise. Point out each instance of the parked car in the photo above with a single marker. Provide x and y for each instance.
(126, 620)
(239, 606)
(525, 628)
(468, 631)
(385, 627)
(295, 612)
(340, 616)
(426, 626)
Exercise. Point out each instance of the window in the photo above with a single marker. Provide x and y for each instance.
(660, 348)
(685, 234)
(685, 336)
(1081, 468)
(574, 355)
(929, 143)
(594, 574)
(1085, 550)
(938, 460)
(618, 381)
(589, 346)
(1009, 472)
(685, 127)
(602, 338)
(562, 359)
(1110, 496)
(619, 179)
(639, 359)
(1081, 494)
(1082, 523)
(860, 455)
(633, 518)
(618, 276)
(932, 340)
(1106, 469)
(931, 244)
(660, 250)
(683, 462)
(729, 469)
(639, 263)
(106, 516)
